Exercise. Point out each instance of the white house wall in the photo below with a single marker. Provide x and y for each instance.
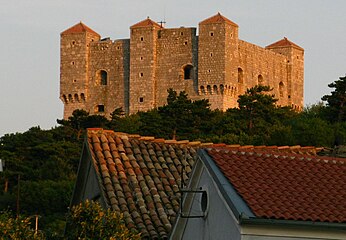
(291, 233)
(219, 222)
(221, 219)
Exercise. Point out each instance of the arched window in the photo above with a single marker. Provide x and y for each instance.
(209, 89)
(64, 98)
(188, 72)
(202, 90)
(76, 98)
(222, 89)
(240, 76)
(101, 77)
(82, 97)
(281, 89)
(70, 98)
(215, 89)
(260, 79)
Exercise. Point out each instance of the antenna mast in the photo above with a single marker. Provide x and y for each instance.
(163, 22)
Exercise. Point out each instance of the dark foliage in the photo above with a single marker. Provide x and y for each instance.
(336, 101)
(42, 165)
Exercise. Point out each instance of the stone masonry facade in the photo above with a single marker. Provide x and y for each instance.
(100, 75)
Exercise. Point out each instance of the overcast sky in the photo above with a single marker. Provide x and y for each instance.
(30, 35)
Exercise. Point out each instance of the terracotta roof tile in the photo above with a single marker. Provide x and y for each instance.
(140, 177)
(146, 23)
(284, 43)
(285, 185)
(218, 18)
(79, 28)
(289, 150)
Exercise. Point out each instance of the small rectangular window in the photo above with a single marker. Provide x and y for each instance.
(100, 108)
(141, 99)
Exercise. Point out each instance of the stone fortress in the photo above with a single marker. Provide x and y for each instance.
(100, 75)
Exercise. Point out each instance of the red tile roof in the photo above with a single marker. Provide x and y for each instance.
(146, 23)
(218, 18)
(297, 149)
(287, 186)
(284, 43)
(140, 177)
(79, 28)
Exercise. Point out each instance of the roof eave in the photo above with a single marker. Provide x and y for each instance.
(147, 23)
(284, 43)
(84, 32)
(292, 46)
(213, 23)
(245, 220)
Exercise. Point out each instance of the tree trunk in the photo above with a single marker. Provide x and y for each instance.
(6, 186)
(341, 111)
(174, 134)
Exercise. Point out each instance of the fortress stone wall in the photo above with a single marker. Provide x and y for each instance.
(99, 75)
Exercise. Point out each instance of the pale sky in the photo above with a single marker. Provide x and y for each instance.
(30, 34)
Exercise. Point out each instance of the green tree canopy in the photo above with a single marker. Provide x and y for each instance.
(257, 103)
(89, 221)
(258, 108)
(17, 227)
(47, 162)
(176, 112)
(183, 117)
(116, 117)
(336, 101)
(81, 120)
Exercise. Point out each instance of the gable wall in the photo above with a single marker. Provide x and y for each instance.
(87, 185)
(219, 222)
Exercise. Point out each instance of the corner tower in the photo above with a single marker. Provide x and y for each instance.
(74, 66)
(294, 84)
(217, 58)
(143, 64)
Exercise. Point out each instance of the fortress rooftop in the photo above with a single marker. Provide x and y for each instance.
(218, 18)
(284, 43)
(79, 28)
